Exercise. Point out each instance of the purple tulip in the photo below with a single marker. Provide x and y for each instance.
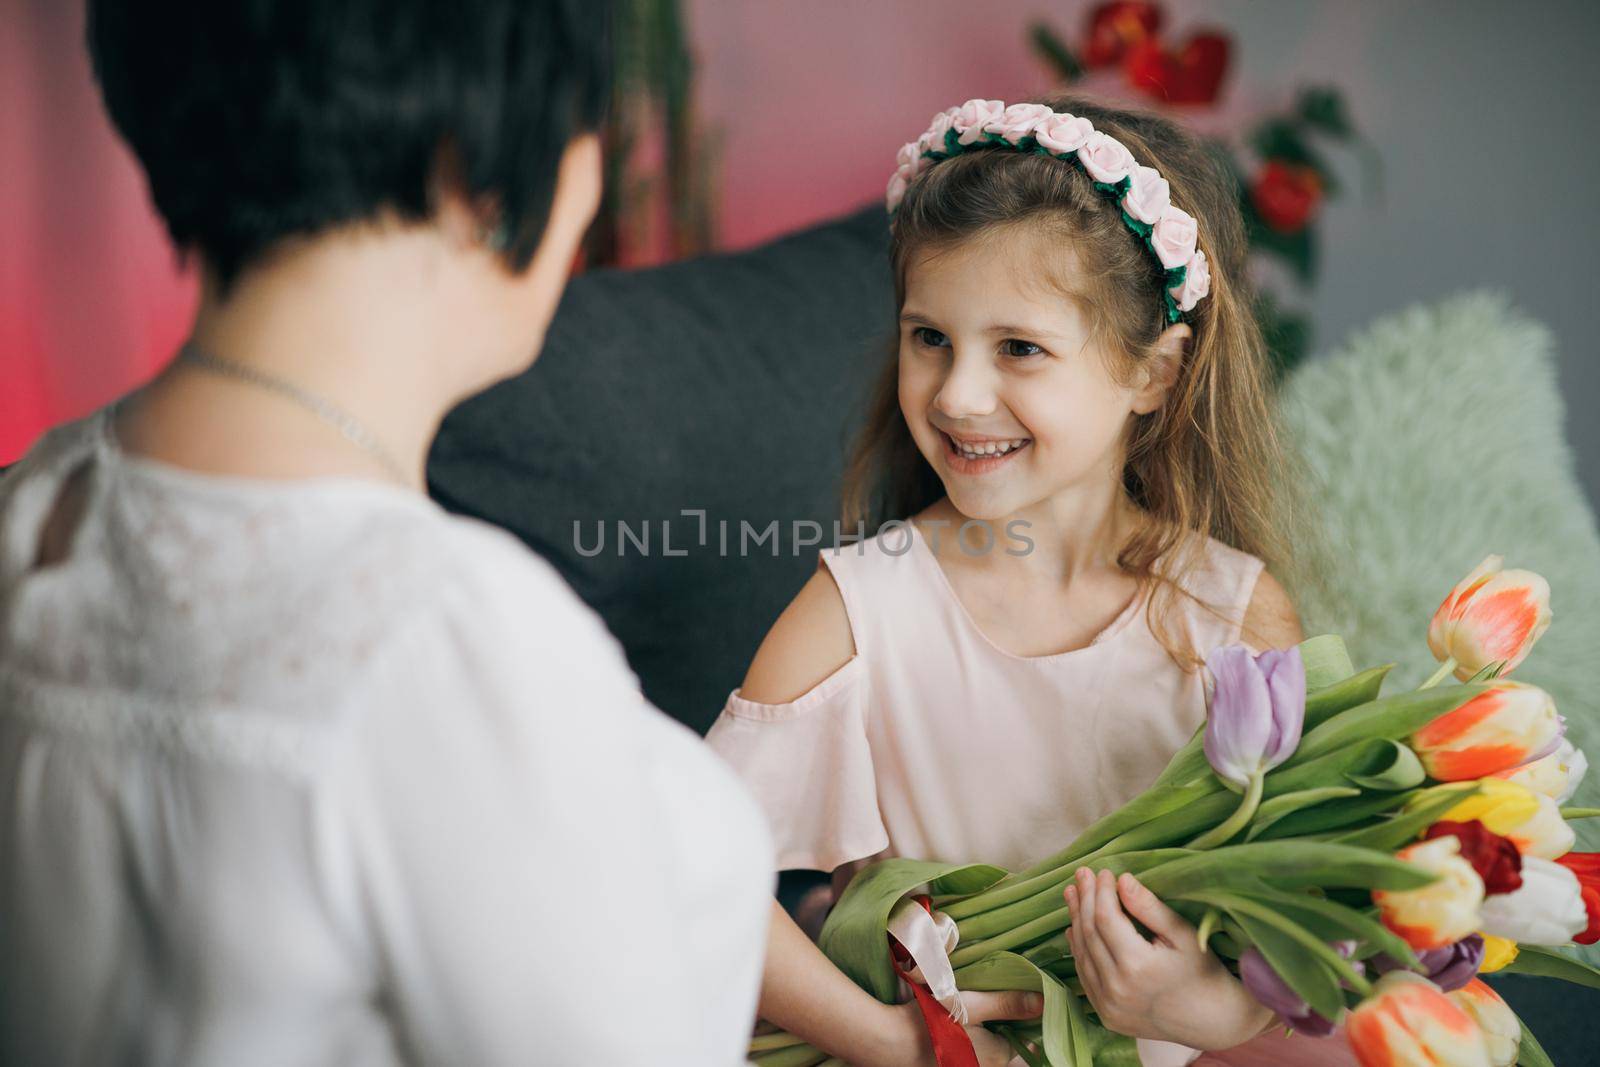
(1449, 967)
(1273, 992)
(1257, 710)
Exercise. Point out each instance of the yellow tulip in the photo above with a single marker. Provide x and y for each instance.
(1531, 821)
(1498, 953)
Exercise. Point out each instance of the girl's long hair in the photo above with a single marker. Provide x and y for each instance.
(1211, 460)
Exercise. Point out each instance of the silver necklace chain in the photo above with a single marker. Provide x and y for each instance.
(346, 423)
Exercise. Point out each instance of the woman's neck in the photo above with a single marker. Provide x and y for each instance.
(361, 322)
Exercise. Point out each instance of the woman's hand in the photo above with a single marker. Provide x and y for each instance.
(1169, 988)
(992, 1049)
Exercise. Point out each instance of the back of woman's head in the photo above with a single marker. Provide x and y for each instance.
(260, 120)
(1208, 461)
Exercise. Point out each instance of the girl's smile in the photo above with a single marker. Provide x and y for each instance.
(980, 455)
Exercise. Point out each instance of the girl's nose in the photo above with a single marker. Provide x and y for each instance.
(967, 392)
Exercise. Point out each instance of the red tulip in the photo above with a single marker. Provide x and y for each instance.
(1286, 195)
(1586, 865)
(1115, 27)
(1496, 859)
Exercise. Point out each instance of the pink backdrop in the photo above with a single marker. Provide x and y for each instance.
(809, 101)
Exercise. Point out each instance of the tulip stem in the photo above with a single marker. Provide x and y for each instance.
(1226, 830)
(1439, 675)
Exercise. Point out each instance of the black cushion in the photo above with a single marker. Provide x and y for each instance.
(730, 384)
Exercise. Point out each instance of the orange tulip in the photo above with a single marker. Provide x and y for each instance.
(1407, 1022)
(1502, 1032)
(1495, 731)
(1441, 912)
(1492, 616)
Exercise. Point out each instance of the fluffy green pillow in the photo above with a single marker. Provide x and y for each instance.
(1434, 438)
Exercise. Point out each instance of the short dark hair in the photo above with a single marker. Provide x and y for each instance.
(258, 120)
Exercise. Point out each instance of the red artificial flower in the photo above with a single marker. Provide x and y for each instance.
(1191, 75)
(1285, 195)
(1117, 26)
(1495, 858)
(1586, 865)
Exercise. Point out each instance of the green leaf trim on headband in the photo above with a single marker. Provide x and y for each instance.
(1172, 277)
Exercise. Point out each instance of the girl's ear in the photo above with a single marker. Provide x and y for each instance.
(1159, 372)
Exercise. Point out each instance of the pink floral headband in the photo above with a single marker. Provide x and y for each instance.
(1169, 232)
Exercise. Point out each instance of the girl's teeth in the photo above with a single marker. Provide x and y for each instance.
(990, 448)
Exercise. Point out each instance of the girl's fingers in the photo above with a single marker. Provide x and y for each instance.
(1150, 910)
(1121, 939)
(1091, 908)
(1088, 973)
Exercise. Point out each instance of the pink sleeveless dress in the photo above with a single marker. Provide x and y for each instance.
(933, 742)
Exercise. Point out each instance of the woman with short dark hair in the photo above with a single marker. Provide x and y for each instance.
(295, 767)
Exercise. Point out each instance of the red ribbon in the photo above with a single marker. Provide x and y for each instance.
(951, 1045)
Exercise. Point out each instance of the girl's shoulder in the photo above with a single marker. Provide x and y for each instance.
(1216, 580)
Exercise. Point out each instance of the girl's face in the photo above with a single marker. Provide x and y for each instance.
(1000, 386)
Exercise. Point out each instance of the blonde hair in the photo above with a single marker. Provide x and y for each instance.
(1211, 460)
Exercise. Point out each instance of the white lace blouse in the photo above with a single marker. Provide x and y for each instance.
(317, 773)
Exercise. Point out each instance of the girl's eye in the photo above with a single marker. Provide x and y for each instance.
(1019, 349)
(927, 335)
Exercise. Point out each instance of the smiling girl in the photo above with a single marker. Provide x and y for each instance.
(1072, 466)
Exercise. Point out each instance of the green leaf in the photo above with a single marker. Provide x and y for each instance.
(1334, 817)
(1403, 771)
(1326, 660)
(1406, 827)
(854, 938)
(1055, 52)
(1276, 808)
(1283, 865)
(1392, 718)
(1529, 1052)
(1322, 108)
(1323, 704)
(1303, 972)
(1538, 960)
(1345, 923)
(1066, 1027)
(1067, 1040)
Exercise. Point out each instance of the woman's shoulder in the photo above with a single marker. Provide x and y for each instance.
(483, 583)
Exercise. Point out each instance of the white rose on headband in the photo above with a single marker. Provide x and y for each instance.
(1018, 121)
(1149, 195)
(974, 115)
(1106, 158)
(1196, 283)
(1174, 237)
(910, 158)
(933, 139)
(897, 189)
(1063, 133)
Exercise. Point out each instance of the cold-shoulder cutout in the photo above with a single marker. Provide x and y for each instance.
(810, 641)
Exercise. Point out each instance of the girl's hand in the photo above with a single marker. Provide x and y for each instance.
(1168, 989)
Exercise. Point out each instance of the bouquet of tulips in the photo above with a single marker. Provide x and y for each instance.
(1353, 857)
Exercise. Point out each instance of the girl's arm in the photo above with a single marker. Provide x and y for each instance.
(802, 991)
